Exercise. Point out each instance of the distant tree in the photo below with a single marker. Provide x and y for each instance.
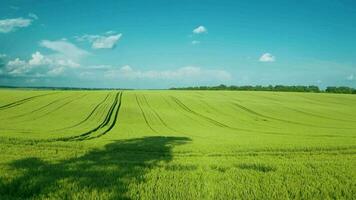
(280, 88)
(342, 89)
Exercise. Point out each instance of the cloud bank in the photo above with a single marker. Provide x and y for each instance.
(65, 56)
(183, 73)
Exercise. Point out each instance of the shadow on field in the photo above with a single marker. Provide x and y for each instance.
(107, 171)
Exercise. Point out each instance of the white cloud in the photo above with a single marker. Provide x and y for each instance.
(38, 59)
(110, 32)
(15, 63)
(56, 71)
(267, 57)
(17, 67)
(67, 63)
(39, 65)
(194, 42)
(107, 41)
(99, 67)
(184, 73)
(9, 25)
(65, 49)
(66, 56)
(200, 29)
(33, 16)
(351, 77)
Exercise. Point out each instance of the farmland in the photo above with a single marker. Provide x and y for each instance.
(176, 145)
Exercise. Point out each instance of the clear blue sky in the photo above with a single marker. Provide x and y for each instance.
(160, 44)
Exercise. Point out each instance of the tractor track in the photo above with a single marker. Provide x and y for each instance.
(87, 118)
(281, 120)
(212, 107)
(319, 116)
(87, 135)
(106, 120)
(22, 101)
(161, 120)
(144, 115)
(157, 115)
(326, 101)
(114, 121)
(38, 109)
(278, 102)
(186, 108)
(54, 110)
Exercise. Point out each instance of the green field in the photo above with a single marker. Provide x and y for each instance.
(176, 145)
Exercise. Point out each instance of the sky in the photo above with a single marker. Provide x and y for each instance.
(175, 43)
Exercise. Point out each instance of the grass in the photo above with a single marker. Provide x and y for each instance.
(176, 145)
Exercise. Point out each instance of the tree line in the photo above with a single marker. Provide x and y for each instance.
(279, 88)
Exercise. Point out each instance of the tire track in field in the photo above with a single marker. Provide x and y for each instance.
(228, 115)
(281, 120)
(212, 107)
(167, 102)
(265, 116)
(38, 109)
(186, 134)
(277, 101)
(165, 124)
(103, 112)
(186, 108)
(87, 118)
(221, 124)
(22, 101)
(55, 109)
(157, 115)
(325, 101)
(319, 116)
(144, 115)
(114, 121)
(87, 135)
(106, 120)
(327, 104)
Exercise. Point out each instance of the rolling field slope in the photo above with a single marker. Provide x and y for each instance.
(176, 145)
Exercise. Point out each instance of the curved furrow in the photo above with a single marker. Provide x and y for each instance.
(157, 115)
(106, 120)
(114, 121)
(87, 118)
(325, 101)
(164, 123)
(86, 135)
(144, 115)
(102, 112)
(38, 109)
(186, 108)
(281, 120)
(22, 101)
(213, 108)
(319, 116)
(278, 102)
(54, 110)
